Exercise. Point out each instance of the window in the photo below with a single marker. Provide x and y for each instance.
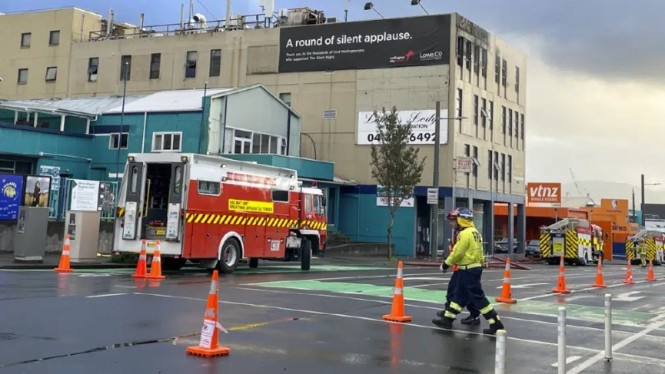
(25, 40)
(475, 109)
(332, 198)
(496, 169)
(459, 103)
(166, 141)
(115, 138)
(15, 167)
(490, 165)
(517, 125)
(497, 69)
(190, 65)
(155, 64)
(522, 120)
(93, 68)
(308, 203)
(484, 112)
(285, 97)
(215, 62)
(504, 73)
(503, 119)
(51, 74)
(510, 169)
(209, 188)
(280, 196)
(467, 150)
(54, 38)
(22, 76)
(490, 113)
(475, 161)
(517, 79)
(125, 67)
(469, 54)
(460, 51)
(483, 62)
(503, 167)
(510, 122)
(476, 61)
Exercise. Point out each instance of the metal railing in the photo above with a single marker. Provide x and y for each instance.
(60, 200)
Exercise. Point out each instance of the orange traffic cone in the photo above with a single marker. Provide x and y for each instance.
(208, 344)
(629, 274)
(650, 276)
(397, 310)
(506, 294)
(141, 267)
(600, 282)
(63, 267)
(156, 267)
(561, 286)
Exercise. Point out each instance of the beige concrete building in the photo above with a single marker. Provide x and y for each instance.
(478, 78)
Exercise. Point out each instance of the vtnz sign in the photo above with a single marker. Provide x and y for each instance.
(544, 193)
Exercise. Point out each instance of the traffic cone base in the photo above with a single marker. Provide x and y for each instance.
(506, 293)
(397, 310)
(560, 291)
(561, 285)
(208, 352)
(63, 270)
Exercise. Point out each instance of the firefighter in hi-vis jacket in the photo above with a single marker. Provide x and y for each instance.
(469, 258)
(642, 251)
(474, 317)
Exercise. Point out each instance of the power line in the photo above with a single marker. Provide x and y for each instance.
(208, 10)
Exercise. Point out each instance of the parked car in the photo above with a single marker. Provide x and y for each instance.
(533, 248)
(502, 246)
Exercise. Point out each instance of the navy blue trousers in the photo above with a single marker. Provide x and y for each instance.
(452, 286)
(469, 292)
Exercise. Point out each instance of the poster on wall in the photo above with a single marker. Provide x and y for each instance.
(11, 192)
(423, 126)
(37, 191)
(54, 173)
(85, 195)
(382, 200)
(399, 42)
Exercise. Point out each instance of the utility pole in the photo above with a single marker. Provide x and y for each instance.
(634, 213)
(643, 223)
(434, 238)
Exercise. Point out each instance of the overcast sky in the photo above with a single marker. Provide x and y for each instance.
(594, 78)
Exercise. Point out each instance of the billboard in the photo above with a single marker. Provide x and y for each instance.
(37, 191)
(415, 41)
(422, 127)
(544, 193)
(11, 192)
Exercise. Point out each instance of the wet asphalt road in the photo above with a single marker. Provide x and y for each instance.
(281, 320)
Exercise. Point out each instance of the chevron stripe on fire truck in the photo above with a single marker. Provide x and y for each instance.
(545, 247)
(229, 219)
(571, 244)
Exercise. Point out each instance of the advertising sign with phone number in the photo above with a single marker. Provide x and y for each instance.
(422, 127)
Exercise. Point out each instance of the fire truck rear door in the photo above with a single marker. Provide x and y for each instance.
(133, 200)
(173, 221)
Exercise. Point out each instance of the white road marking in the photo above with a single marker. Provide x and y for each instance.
(121, 286)
(105, 295)
(429, 284)
(658, 323)
(580, 290)
(524, 285)
(569, 360)
(627, 296)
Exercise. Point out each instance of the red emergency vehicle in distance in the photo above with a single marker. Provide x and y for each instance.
(215, 211)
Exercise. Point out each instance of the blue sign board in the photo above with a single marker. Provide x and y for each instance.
(11, 196)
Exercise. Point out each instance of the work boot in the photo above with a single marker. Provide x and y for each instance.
(445, 322)
(496, 326)
(471, 320)
(441, 313)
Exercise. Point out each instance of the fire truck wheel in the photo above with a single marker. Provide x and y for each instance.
(229, 256)
(253, 263)
(305, 254)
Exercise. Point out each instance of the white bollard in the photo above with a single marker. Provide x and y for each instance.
(562, 340)
(500, 362)
(608, 327)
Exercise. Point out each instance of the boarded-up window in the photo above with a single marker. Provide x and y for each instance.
(262, 60)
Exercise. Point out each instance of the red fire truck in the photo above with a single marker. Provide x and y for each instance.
(215, 211)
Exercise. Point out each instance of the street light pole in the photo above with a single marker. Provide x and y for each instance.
(434, 239)
(642, 205)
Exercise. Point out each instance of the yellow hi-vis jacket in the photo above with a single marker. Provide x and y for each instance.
(642, 249)
(468, 249)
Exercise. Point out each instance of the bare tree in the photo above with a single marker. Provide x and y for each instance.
(395, 164)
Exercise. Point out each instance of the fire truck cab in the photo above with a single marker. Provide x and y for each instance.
(215, 211)
(572, 238)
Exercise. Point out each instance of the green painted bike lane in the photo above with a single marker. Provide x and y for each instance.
(582, 312)
(241, 270)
